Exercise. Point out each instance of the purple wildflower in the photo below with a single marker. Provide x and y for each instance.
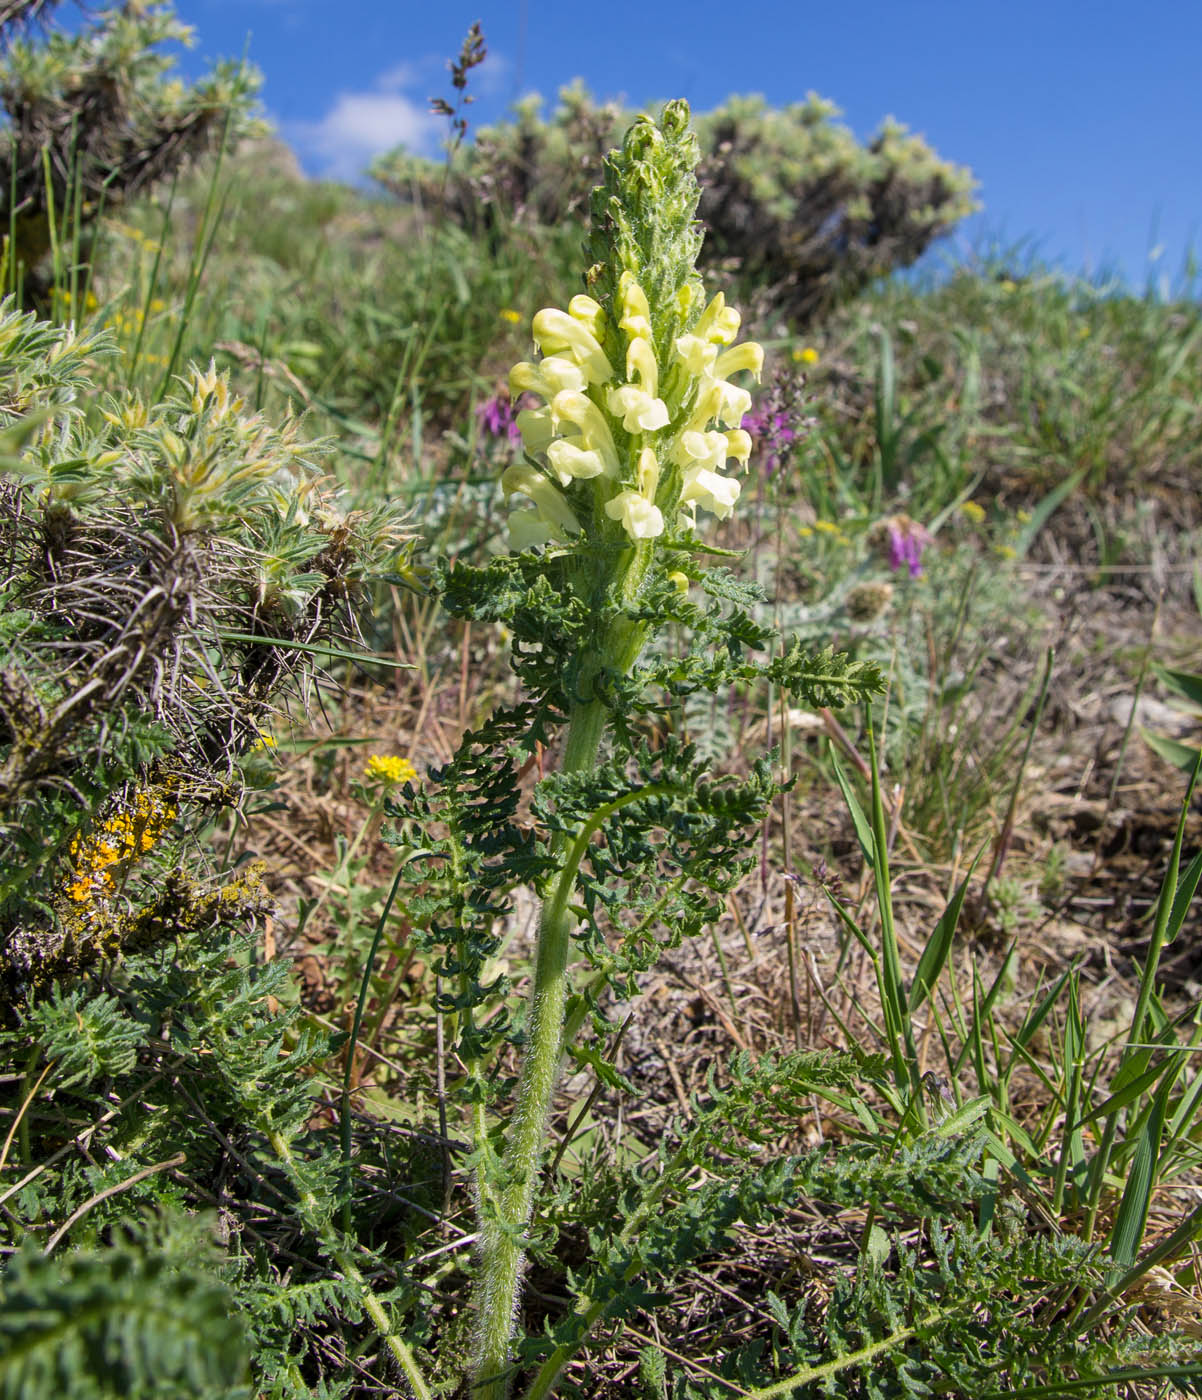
(779, 419)
(497, 417)
(771, 432)
(907, 540)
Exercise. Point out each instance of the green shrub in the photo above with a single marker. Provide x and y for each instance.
(165, 568)
(790, 200)
(93, 117)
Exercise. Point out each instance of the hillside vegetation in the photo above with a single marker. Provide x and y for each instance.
(670, 874)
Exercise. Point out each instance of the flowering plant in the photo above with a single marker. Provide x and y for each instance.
(634, 843)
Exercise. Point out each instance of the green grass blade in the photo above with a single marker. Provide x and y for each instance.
(1128, 1375)
(1187, 684)
(364, 658)
(1180, 755)
(1132, 1217)
(1130, 1091)
(859, 820)
(1046, 508)
(983, 1009)
(1039, 1014)
(939, 945)
(1164, 909)
(1182, 900)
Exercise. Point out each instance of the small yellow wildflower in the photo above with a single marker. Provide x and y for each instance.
(263, 742)
(806, 356)
(507, 313)
(827, 527)
(391, 771)
(972, 510)
(805, 531)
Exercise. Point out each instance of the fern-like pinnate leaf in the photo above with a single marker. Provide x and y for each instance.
(133, 1321)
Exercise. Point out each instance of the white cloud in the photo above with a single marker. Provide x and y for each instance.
(361, 125)
(393, 111)
(404, 75)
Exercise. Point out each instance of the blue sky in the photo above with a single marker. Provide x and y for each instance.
(1082, 121)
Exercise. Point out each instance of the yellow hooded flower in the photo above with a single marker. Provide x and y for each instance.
(549, 503)
(557, 331)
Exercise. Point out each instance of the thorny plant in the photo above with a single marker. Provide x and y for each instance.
(163, 568)
(92, 118)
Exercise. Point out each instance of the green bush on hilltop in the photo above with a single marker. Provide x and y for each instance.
(791, 201)
(94, 117)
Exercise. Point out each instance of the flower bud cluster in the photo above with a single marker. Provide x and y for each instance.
(642, 443)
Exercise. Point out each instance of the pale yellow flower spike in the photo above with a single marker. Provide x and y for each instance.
(639, 518)
(639, 412)
(573, 463)
(640, 365)
(548, 378)
(578, 409)
(588, 312)
(718, 323)
(536, 428)
(697, 354)
(749, 355)
(711, 492)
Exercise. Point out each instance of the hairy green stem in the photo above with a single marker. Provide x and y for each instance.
(503, 1253)
(341, 1255)
(506, 1211)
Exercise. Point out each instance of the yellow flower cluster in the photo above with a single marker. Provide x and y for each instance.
(391, 771)
(65, 302)
(825, 527)
(100, 859)
(587, 402)
(129, 323)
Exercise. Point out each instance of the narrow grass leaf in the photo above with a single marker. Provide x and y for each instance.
(939, 945)
(1187, 684)
(1132, 1217)
(1127, 1094)
(1183, 898)
(369, 658)
(1128, 1375)
(1037, 1016)
(983, 1007)
(1180, 755)
(1046, 508)
(859, 820)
